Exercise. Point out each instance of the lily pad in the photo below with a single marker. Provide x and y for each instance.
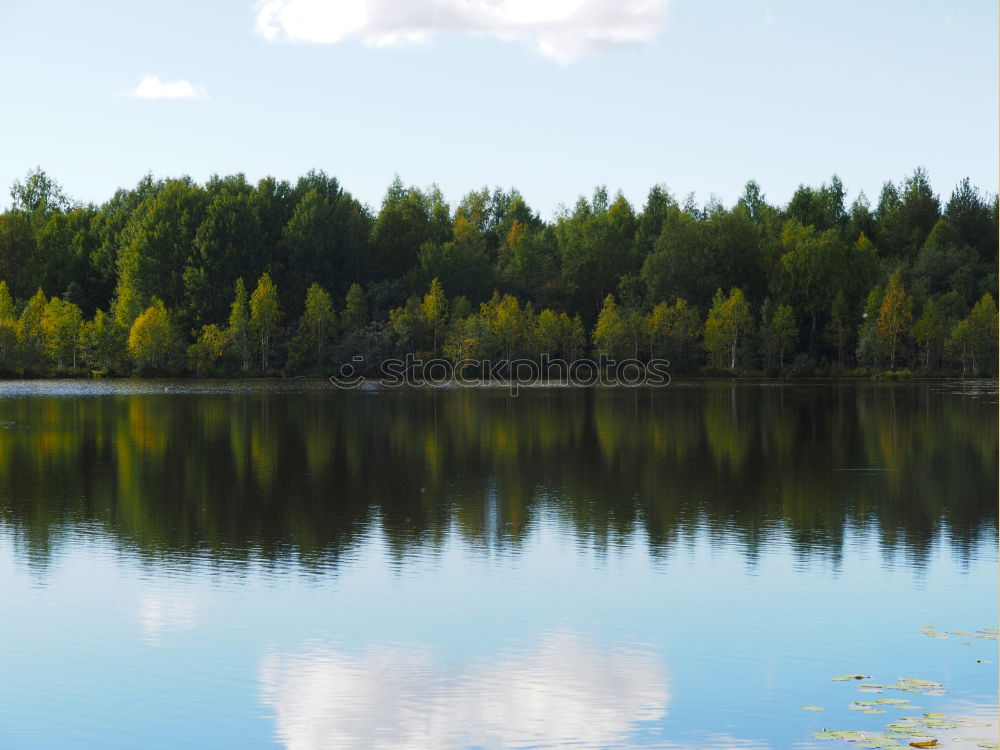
(879, 741)
(848, 736)
(813, 708)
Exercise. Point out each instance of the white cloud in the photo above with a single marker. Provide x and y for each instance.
(564, 30)
(566, 689)
(151, 87)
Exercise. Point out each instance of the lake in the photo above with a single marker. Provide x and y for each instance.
(259, 564)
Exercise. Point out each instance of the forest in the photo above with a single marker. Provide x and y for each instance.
(231, 278)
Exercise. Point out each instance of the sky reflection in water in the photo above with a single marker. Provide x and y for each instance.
(679, 569)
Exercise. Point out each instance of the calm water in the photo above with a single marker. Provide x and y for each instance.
(229, 565)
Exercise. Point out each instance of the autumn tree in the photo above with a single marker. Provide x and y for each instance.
(895, 316)
(672, 329)
(610, 331)
(435, 311)
(151, 340)
(506, 320)
(729, 322)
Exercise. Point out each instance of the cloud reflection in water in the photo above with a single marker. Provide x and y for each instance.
(162, 613)
(564, 689)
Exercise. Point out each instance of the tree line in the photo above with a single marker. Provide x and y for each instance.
(235, 278)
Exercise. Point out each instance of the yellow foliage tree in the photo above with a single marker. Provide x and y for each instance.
(895, 316)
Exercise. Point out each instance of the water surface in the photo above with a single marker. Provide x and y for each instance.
(206, 564)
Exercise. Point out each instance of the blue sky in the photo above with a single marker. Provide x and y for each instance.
(550, 97)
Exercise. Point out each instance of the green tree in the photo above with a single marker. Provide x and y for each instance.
(906, 215)
(930, 333)
(635, 329)
(310, 346)
(205, 354)
(870, 347)
(355, 316)
(229, 242)
(975, 337)
(840, 326)
(970, 212)
(265, 316)
(548, 333)
(596, 245)
(408, 323)
(103, 343)
(528, 256)
(764, 332)
(38, 197)
(6, 303)
(408, 219)
(574, 338)
(20, 264)
(784, 332)
(812, 268)
(239, 331)
(729, 323)
(461, 265)
(315, 240)
(672, 329)
(8, 331)
(159, 245)
(31, 332)
(61, 322)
